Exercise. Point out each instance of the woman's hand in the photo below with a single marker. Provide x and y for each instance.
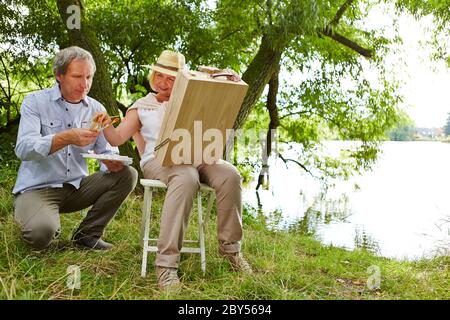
(215, 72)
(102, 120)
(233, 75)
(229, 74)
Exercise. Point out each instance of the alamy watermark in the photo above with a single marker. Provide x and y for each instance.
(74, 20)
(374, 280)
(73, 277)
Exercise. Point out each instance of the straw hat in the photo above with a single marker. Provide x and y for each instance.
(168, 62)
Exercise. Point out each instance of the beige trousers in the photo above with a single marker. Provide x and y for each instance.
(37, 211)
(183, 182)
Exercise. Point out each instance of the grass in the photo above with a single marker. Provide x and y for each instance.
(287, 266)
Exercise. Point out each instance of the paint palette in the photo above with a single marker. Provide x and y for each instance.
(111, 157)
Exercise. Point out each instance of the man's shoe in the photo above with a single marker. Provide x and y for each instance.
(237, 262)
(90, 242)
(167, 278)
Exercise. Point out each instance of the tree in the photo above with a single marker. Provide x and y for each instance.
(447, 126)
(298, 35)
(404, 129)
(134, 34)
(324, 41)
(20, 71)
(439, 10)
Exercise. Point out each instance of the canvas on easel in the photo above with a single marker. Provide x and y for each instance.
(200, 110)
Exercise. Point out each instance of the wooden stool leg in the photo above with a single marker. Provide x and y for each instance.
(201, 232)
(146, 216)
(212, 195)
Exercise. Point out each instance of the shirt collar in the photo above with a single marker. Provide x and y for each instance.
(55, 95)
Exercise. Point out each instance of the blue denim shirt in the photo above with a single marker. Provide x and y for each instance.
(43, 114)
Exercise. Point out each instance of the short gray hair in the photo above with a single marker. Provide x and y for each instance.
(66, 56)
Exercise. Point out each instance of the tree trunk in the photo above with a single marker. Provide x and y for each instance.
(257, 75)
(271, 106)
(268, 57)
(101, 89)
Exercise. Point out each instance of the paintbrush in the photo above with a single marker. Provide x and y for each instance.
(110, 124)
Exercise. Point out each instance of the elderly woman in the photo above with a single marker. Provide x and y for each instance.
(143, 122)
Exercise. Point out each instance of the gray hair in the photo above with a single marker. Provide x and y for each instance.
(66, 56)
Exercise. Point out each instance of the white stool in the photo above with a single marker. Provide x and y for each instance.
(153, 185)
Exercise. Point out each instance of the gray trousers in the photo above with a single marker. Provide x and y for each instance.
(183, 182)
(37, 211)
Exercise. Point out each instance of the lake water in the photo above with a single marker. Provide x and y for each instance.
(400, 209)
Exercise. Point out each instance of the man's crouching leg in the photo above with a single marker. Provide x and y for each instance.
(39, 237)
(37, 213)
(105, 192)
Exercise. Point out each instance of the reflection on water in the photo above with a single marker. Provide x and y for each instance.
(322, 211)
(364, 241)
(400, 209)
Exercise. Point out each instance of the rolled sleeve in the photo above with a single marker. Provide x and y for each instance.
(42, 148)
(31, 145)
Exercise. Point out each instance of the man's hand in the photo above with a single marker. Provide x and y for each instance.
(78, 137)
(113, 166)
(82, 137)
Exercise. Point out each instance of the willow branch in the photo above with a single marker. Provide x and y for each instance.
(341, 12)
(329, 32)
(368, 53)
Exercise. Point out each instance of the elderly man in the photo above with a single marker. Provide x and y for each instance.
(53, 177)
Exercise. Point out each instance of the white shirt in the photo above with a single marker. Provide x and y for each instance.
(151, 114)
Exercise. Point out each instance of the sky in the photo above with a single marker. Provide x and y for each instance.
(427, 87)
(426, 82)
